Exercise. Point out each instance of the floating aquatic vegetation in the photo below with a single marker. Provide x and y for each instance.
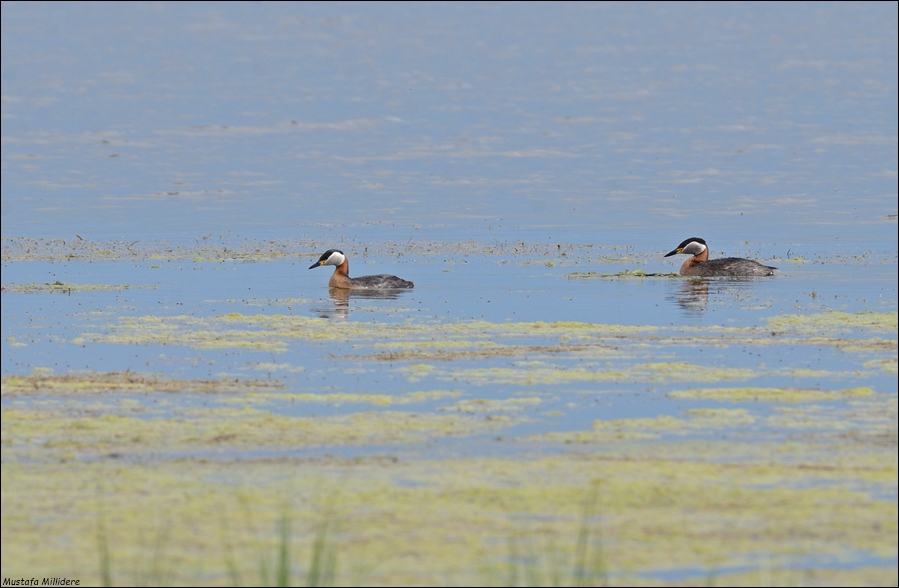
(637, 273)
(81, 383)
(681, 495)
(273, 332)
(483, 405)
(706, 419)
(841, 321)
(221, 249)
(698, 509)
(556, 374)
(796, 259)
(340, 398)
(32, 433)
(773, 394)
(489, 351)
(867, 419)
(888, 365)
(67, 288)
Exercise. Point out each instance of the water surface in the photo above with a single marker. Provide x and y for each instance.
(170, 171)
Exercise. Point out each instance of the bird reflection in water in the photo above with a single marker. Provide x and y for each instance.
(692, 294)
(340, 300)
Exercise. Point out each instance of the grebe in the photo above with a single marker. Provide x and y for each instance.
(341, 279)
(700, 265)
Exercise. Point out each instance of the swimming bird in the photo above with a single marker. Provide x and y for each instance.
(341, 278)
(701, 265)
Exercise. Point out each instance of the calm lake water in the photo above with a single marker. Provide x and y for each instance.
(610, 132)
(587, 123)
(176, 168)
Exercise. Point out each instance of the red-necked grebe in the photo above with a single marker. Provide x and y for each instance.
(341, 278)
(701, 265)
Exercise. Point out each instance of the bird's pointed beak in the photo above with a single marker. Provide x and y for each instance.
(675, 252)
(316, 264)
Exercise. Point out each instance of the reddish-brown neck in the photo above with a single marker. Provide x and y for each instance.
(689, 266)
(341, 276)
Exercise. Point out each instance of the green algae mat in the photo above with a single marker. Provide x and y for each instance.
(301, 440)
(112, 478)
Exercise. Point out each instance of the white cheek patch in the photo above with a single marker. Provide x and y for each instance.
(695, 248)
(336, 259)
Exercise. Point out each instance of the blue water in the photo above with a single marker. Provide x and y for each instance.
(598, 135)
(630, 124)
(487, 152)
